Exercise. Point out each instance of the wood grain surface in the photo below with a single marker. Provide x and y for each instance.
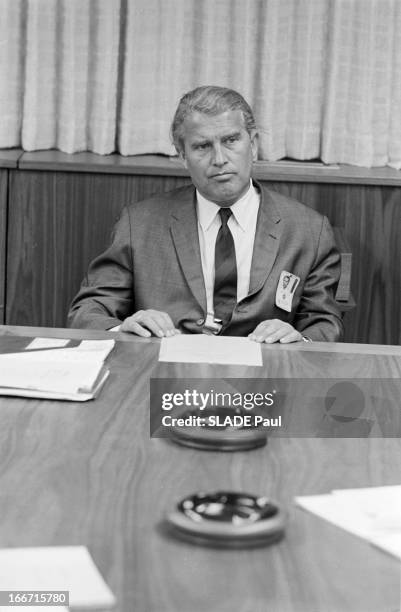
(59, 221)
(3, 240)
(162, 165)
(371, 218)
(9, 157)
(323, 347)
(90, 474)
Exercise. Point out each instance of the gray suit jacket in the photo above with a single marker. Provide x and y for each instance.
(154, 262)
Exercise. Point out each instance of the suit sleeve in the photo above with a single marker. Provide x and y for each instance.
(106, 297)
(318, 316)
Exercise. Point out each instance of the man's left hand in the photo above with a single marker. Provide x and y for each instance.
(275, 330)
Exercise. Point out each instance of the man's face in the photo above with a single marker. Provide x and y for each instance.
(218, 153)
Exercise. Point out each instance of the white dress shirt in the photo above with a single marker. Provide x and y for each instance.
(242, 224)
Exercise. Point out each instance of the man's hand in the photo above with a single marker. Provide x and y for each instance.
(275, 330)
(147, 322)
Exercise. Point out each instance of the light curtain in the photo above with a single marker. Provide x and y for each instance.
(323, 76)
(58, 74)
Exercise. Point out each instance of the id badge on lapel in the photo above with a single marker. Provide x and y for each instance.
(285, 290)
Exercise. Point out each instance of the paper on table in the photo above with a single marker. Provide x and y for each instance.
(201, 348)
(80, 396)
(88, 349)
(370, 513)
(59, 377)
(64, 568)
(59, 370)
(381, 504)
(39, 343)
(103, 347)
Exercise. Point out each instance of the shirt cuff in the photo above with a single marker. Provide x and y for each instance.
(116, 328)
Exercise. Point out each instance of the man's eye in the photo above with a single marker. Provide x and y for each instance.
(231, 139)
(202, 146)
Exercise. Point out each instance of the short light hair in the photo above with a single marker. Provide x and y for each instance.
(210, 100)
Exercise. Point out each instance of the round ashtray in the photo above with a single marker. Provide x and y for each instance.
(228, 519)
(219, 429)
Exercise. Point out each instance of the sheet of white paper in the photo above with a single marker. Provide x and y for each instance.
(372, 514)
(100, 347)
(39, 343)
(201, 348)
(381, 504)
(62, 355)
(332, 510)
(64, 568)
(88, 349)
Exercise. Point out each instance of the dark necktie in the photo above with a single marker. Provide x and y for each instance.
(225, 266)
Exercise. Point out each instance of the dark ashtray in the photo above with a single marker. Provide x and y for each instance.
(227, 519)
(220, 429)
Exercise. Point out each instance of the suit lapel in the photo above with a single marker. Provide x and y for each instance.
(267, 240)
(184, 231)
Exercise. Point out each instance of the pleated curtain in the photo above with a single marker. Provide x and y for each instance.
(323, 76)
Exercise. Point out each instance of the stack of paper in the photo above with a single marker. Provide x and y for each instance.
(370, 513)
(63, 568)
(75, 374)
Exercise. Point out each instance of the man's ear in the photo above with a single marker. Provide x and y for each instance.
(181, 157)
(254, 136)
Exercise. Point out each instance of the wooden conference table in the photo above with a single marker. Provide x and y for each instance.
(90, 474)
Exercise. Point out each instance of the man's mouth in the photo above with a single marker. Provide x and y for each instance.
(222, 175)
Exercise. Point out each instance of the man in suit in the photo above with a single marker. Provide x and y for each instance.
(224, 256)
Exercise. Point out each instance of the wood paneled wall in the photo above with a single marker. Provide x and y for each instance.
(371, 218)
(3, 234)
(58, 221)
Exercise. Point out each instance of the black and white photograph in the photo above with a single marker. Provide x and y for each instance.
(200, 305)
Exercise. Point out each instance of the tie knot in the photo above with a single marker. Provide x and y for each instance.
(225, 214)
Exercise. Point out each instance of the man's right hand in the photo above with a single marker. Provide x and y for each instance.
(147, 322)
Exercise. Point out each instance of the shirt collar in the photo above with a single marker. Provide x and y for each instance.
(207, 210)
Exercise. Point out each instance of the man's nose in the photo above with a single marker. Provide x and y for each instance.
(219, 157)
